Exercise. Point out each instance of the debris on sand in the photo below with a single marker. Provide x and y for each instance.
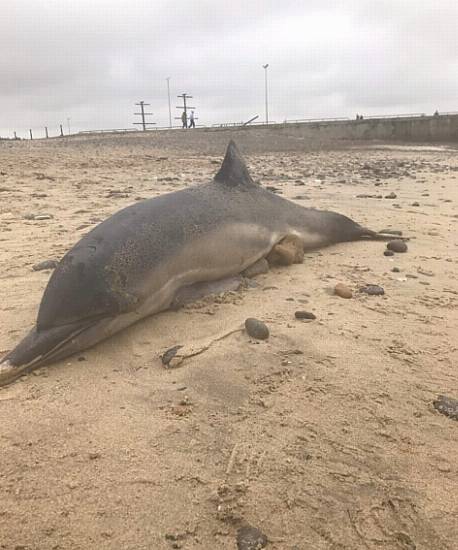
(304, 315)
(167, 357)
(46, 264)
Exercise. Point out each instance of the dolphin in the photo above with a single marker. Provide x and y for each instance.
(135, 263)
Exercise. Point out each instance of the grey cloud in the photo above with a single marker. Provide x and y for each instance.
(92, 60)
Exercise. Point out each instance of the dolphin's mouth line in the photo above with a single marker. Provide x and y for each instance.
(10, 372)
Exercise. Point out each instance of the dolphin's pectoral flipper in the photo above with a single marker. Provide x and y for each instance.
(191, 293)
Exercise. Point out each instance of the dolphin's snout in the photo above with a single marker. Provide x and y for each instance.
(8, 372)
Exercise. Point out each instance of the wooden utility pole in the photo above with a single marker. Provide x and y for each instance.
(31, 137)
(184, 107)
(46, 132)
(61, 131)
(142, 113)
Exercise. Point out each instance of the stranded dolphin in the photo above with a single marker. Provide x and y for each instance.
(134, 263)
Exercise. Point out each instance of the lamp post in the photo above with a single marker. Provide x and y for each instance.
(267, 103)
(170, 109)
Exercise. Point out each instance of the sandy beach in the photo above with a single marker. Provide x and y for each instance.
(323, 437)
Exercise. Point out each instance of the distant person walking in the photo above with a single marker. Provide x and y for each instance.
(184, 120)
(192, 123)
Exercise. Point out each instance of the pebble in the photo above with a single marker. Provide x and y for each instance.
(415, 204)
(397, 246)
(256, 329)
(46, 264)
(304, 315)
(396, 270)
(392, 232)
(391, 195)
(373, 290)
(343, 291)
(170, 354)
(41, 217)
(388, 252)
(447, 405)
(250, 538)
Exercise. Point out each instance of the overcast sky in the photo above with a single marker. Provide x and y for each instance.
(91, 60)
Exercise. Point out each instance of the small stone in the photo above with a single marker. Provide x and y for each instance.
(288, 251)
(94, 455)
(343, 291)
(256, 329)
(447, 405)
(391, 195)
(250, 538)
(304, 315)
(415, 204)
(41, 217)
(46, 264)
(397, 246)
(388, 253)
(396, 270)
(373, 290)
(170, 354)
(391, 232)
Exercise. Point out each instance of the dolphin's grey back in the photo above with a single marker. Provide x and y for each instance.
(103, 274)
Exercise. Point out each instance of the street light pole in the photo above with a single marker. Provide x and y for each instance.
(267, 103)
(170, 109)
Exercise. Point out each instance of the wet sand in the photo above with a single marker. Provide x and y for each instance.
(324, 436)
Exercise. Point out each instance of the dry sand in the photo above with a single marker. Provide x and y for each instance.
(323, 437)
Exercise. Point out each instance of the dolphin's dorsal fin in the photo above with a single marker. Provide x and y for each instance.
(233, 171)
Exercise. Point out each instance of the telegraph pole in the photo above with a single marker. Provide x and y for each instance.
(142, 113)
(184, 107)
(168, 94)
(46, 132)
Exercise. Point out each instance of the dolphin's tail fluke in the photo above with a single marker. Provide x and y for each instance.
(39, 348)
(380, 235)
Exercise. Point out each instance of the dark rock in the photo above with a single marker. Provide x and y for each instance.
(415, 204)
(250, 538)
(256, 329)
(170, 354)
(397, 246)
(396, 270)
(46, 264)
(304, 315)
(391, 195)
(388, 253)
(447, 405)
(373, 290)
